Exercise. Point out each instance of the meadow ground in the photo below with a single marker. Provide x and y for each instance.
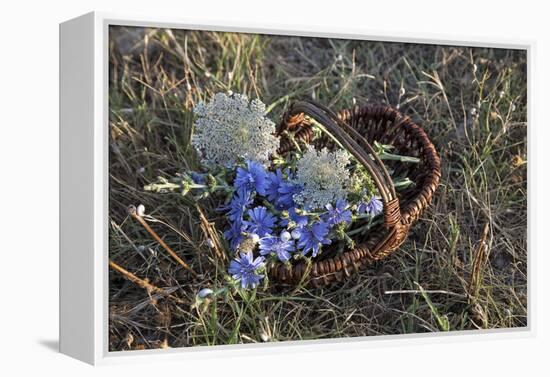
(464, 264)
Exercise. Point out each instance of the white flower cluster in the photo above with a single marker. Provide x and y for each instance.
(324, 177)
(230, 127)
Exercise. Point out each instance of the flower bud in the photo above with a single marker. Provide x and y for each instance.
(205, 292)
(285, 236)
(296, 234)
(185, 188)
(211, 180)
(140, 210)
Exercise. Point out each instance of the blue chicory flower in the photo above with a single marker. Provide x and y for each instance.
(234, 234)
(244, 269)
(274, 180)
(205, 292)
(372, 208)
(253, 178)
(261, 222)
(280, 246)
(299, 220)
(312, 237)
(296, 233)
(286, 191)
(239, 203)
(338, 214)
(280, 191)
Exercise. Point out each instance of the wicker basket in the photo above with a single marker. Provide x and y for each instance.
(355, 129)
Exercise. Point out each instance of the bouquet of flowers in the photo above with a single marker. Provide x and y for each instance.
(278, 208)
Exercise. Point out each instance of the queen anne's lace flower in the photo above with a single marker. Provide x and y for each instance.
(323, 176)
(230, 127)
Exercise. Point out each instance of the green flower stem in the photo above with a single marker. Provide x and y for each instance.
(283, 99)
(324, 130)
(402, 183)
(163, 186)
(381, 153)
(361, 216)
(212, 188)
(296, 144)
(364, 228)
(349, 241)
(184, 186)
(395, 157)
(271, 207)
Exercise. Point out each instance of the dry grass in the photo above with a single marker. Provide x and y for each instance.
(464, 264)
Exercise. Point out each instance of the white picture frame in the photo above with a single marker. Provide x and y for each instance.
(84, 190)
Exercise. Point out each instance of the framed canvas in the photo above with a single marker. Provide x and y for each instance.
(245, 188)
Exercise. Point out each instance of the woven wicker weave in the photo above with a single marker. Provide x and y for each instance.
(356, 129)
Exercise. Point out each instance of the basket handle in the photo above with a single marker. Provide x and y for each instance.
(365, 154)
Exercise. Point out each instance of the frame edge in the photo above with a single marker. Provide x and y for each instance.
(76, 188)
